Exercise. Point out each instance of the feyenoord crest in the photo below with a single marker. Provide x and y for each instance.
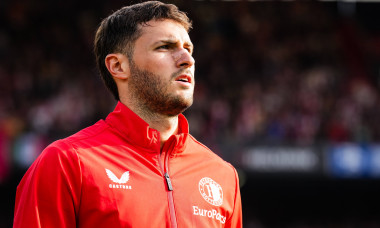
(211, 191)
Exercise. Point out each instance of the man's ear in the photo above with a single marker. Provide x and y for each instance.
(118, 65)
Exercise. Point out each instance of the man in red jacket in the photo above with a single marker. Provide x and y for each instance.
(139, 167)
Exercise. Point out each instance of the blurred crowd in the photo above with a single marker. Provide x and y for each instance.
(300, 73)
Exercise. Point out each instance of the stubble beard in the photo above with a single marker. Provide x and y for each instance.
(151, 93)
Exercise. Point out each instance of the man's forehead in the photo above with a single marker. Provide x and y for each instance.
(165, 29)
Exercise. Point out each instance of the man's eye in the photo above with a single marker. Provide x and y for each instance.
(163, 47)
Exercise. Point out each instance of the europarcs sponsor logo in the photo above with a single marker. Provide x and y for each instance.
(213, 214)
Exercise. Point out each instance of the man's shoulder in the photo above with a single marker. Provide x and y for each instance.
(94, 130)
(209, 163)
(85, 136)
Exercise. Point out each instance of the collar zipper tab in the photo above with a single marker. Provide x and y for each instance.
(168, 182)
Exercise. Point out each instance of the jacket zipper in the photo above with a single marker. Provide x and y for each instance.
(168, 182)
(165, 170)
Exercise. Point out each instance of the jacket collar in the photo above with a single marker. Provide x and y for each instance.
(137, 131)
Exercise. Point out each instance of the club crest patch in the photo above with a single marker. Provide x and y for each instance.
(211, 191)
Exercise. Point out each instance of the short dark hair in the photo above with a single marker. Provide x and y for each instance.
(118, 32)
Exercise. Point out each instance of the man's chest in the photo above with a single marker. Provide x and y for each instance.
(131, 190)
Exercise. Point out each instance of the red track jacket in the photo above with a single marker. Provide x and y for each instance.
(112, 174)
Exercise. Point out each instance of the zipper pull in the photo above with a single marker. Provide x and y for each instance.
(168, 182)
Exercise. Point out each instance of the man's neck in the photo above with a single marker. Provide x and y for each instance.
(166, 125)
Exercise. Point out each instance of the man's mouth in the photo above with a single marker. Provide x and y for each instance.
(183, 78)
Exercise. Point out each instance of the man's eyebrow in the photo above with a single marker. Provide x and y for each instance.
(166, 41)
(172, 40)
(163, 42)
(169, 40)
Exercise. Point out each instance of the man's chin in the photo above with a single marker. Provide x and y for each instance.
(178, 107)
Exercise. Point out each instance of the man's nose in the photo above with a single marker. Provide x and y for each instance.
(183, 58)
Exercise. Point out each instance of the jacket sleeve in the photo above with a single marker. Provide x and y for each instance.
(48, 194)
(236, 220)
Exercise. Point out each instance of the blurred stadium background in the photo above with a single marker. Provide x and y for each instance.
(287, 91)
